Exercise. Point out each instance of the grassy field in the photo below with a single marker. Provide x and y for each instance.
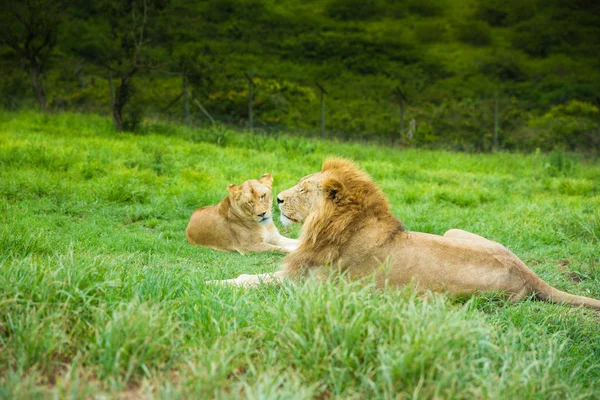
(100, 294)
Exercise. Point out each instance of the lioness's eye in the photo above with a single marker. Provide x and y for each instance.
(262, 196)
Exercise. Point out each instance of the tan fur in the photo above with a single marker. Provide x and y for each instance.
(348, 225)
(241, 222)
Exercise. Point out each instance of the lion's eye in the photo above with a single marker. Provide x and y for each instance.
(262, 196)
(301, 190)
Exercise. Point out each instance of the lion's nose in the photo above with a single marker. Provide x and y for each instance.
(279, 201)
(262, 214)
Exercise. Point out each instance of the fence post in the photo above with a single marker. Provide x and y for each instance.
(598, 105)
(323, 93)
(496, 123)
(401, 100)
(250, 87)
(186, 100)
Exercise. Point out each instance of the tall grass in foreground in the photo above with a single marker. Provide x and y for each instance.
(101, 295)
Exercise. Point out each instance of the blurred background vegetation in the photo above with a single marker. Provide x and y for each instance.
(529, 67)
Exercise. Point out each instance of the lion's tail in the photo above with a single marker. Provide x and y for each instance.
(548, 293)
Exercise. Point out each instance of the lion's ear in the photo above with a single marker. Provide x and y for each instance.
(334, 189)
(266, 180)
(231, 187)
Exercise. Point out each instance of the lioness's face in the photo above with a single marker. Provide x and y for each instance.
(298, 202)
(253, 198)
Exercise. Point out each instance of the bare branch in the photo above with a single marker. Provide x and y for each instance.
(140, 42)
(156, 67)
(47, 43)
(12, 42)
(22, 20)
(132, 32)
(144, 21)
(133, 17)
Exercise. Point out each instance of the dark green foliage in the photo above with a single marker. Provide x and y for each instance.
(505, 12)
(571, 126)
(431, 32)
(476, 33)
(219, 11)
(504, 66)
(450, 57)
(30, 30)
(537, 37)
(426, 8)
(349, 10)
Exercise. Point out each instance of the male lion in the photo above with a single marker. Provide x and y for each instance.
(348, 225)
(241, 222)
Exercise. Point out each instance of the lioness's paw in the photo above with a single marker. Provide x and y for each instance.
(288, 248)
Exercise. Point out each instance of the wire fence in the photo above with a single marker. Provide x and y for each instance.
(270, 104)
(482, 124)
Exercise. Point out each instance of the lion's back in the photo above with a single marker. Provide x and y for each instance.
(210, 227)
(205, 228)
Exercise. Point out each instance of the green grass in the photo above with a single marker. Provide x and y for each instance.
(100, 294)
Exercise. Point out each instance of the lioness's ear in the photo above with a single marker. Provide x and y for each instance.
(334, 189)
(266, 180)
(231, 187)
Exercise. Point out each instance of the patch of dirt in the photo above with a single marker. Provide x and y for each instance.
(132, 392)
(324, 395)
(563, 264)
(237, 372)
(574, 277)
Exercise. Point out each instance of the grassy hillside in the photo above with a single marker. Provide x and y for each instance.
(101, 294)
(452, 59)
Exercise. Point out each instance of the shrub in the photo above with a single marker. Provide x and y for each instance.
(559, 164)
(571, 125)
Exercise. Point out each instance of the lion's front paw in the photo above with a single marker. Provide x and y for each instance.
(224, 282)
(242, 280)
(290, 247)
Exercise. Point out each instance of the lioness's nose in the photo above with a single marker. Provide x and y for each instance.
(279, 201)
(262, 214)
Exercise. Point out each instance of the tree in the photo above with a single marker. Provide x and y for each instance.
(118, 36)
(30, 29)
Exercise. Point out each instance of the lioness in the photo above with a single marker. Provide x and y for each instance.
(241, 222)
(348, 225)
